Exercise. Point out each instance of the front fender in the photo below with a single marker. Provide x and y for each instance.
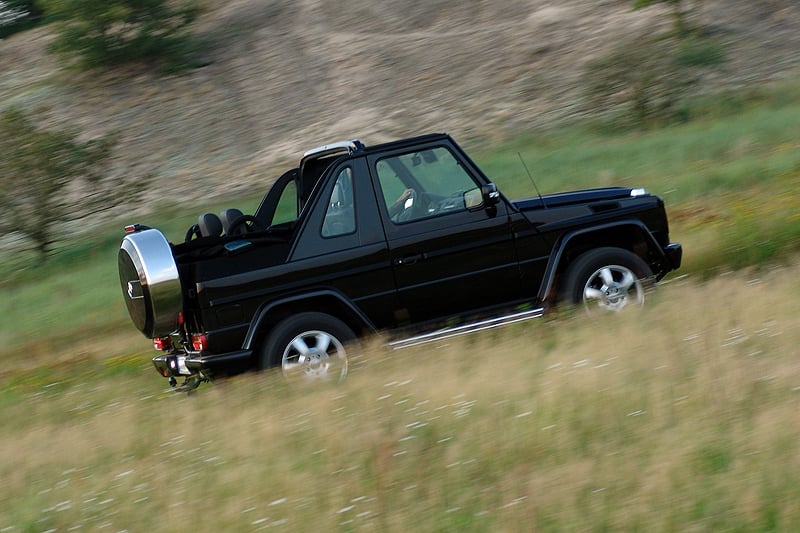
(564, 242)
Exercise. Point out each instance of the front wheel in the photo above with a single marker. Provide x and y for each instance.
(309, 345)
(607, 278)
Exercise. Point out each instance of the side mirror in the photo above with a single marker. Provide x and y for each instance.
(485, 196)
(490, 194)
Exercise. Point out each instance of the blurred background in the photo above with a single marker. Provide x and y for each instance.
(259, 81)
(684, 417)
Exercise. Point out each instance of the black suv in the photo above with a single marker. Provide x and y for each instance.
(407, 237)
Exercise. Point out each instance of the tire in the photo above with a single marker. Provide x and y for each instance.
(309, 345)
(607, 279)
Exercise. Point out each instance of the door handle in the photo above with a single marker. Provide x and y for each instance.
(409, 259)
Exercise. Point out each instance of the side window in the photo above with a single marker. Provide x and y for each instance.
(424, 184)
(340, 216)
(286, 210)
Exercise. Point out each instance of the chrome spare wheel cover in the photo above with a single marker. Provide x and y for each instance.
(612, 287)
(316, 355)
(150, 283)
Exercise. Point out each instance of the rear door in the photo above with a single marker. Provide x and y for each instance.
(450, 253)
(342, 245)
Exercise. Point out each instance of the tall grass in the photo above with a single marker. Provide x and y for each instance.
(681, 417)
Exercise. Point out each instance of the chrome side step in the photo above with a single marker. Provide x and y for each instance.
(464, 329)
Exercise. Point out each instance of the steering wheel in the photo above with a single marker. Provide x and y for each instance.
(249, 221)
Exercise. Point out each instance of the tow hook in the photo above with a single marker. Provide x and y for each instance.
(172, 381)
(189, 384)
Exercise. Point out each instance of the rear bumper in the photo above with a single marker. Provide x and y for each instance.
(181, 363)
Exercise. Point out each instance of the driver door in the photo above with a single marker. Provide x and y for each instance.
(450, 253)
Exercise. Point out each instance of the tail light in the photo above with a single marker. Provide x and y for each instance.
(162, 343)
(199, 342)
(133, 228)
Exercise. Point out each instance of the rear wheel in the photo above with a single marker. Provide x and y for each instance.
(608, 279)
(309, 345)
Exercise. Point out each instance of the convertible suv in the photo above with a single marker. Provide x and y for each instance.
(409, 238)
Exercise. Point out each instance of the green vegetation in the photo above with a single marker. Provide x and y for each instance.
(680, 417)
(107, 33)
(647, 82)
(729, 179)
(48, 179)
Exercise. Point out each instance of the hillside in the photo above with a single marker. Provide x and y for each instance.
(287, 75)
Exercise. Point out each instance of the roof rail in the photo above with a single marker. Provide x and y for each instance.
(350, 147)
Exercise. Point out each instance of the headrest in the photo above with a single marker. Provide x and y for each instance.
(210, 225)
(228, 217)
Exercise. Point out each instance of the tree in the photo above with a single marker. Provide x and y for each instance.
(644, 76)
(106, 33)
(48, 178)
(679, 13)
(653, 76)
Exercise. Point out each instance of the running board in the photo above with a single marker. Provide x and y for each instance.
(464, 329)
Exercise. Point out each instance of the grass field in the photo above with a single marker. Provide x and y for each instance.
(682, 417)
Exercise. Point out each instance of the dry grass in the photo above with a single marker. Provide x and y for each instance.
(682, 417)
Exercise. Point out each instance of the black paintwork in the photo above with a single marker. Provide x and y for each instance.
(386, 275)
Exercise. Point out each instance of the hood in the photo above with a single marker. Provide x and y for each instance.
(584, 196)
